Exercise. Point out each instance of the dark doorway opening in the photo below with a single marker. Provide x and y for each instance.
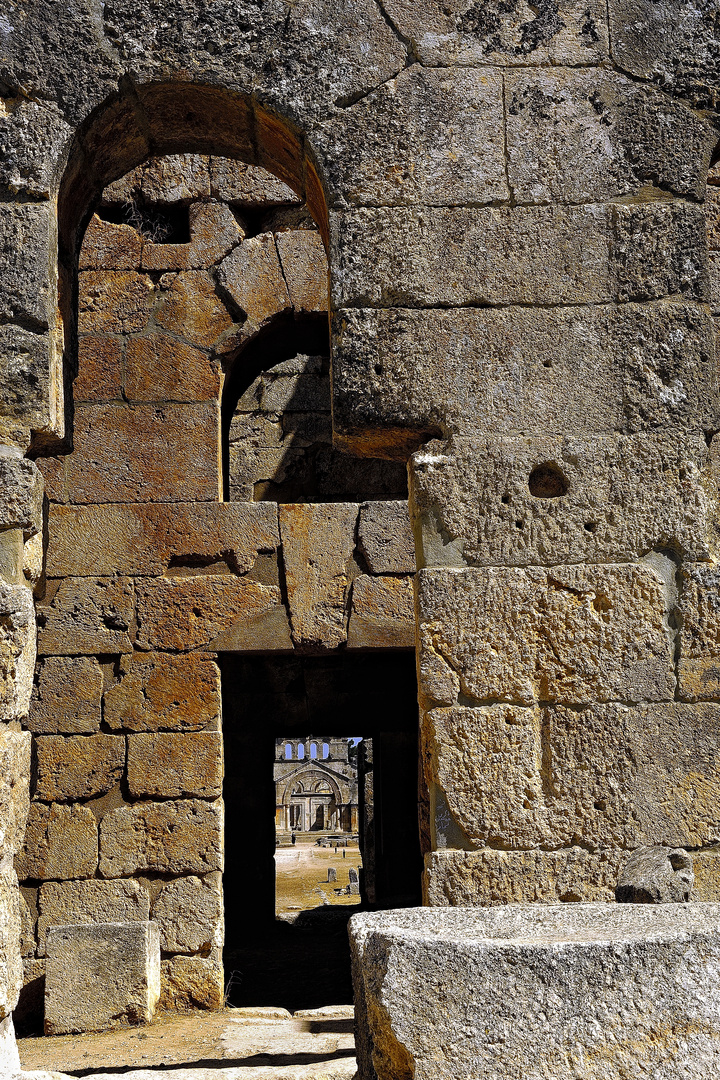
(305, 962)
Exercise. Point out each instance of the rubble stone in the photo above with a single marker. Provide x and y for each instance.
(655, 875)
(182, 837)
(98, 976)
(65, 903)
(175, 765)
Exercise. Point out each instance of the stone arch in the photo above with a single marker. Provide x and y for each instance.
(155, 119)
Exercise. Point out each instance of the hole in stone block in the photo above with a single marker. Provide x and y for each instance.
(590, 526)
(519, 524)
(547, 481)
(169, 224)
(505, 499)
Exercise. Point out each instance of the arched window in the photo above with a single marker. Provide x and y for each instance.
(301, 751)
(313, 751)
(288, 751)
(325, 750)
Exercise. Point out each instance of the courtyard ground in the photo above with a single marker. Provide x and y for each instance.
(301, 880)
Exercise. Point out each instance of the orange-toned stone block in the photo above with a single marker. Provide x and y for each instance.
(53, 474)
(114, 301)
(253, 277)
(160, 368)
(86, 616)
(305, 268)
(61, 842)
(78, 766)
(161, 691)
(110, 247)
(382, 613)
(213, 233)
(191, 308)
(183, 613)
(318, 542)
(67, 696)
(144, 453)
(166, 256)
(99, 376)
(148, 538)
(162, 765)
(169, 837)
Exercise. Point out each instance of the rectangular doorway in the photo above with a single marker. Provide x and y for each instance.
(302, 960)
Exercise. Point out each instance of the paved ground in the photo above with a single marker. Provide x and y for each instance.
(252, 1044)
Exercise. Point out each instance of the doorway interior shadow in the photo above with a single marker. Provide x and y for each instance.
(305, 963)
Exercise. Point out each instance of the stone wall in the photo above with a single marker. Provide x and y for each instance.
(193, 272)
(513, 204)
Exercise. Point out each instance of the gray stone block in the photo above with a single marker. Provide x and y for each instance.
(101, 975)
(592, 990)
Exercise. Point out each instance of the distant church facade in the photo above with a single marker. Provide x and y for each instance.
(316, 787)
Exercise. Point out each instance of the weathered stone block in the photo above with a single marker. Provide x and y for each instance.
(569, 33)
(382, 613)
(189, 913)
(182, 837)
(533, 973)
(624, 496)
(21, 493)
(11, 968)
(655, 875)
(191, 308)
(77, 767)
(305, 269)
(575, 371)
(608, 776)
(570, 634)
(437, 256)
(481, 878)
(318, 542)
(253, 277)
(659, 249)
(699, 633)
(102, 975)
(32, 136)
(26, 247)
(160, 368)
(385, 538)
(236, 182)
(184, 613)
(141, 453)
(100, 369)
(86, 615)
(175, 765)
(85, 902)
(151, 539)
(67, 697)
(107, 246)
(586, 135)
(14, 790)
(179, 693)
(172, 178)
(30, 372)
(114, 302)
(416, 123)
(17, 650)
(214, 232)
(191, 982)
(61, 842)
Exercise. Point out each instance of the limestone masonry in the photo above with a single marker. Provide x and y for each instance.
(363, 327)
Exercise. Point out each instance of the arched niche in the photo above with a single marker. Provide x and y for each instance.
(156, 119)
